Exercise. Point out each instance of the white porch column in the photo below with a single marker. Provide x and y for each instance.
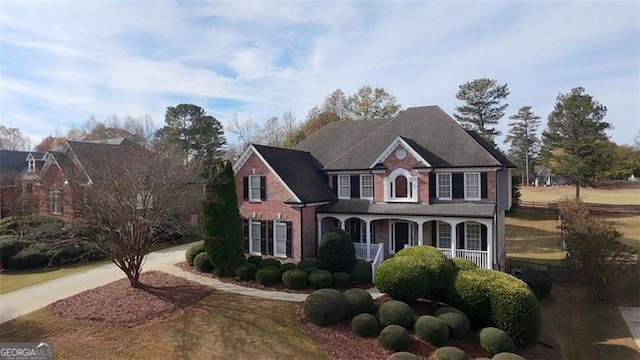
(341, 224)
(420, 233)
(454, 239)
(368, 232)
(490, 246)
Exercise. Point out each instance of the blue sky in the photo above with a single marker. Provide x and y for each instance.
(62, 62)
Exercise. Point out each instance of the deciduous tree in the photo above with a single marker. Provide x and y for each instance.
(483, 106)
(12, 139)
(369, 103)
(523, 139)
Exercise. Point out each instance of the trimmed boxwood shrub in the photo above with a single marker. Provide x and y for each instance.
(320, 279)
(361, 273)
(540, 282)
(325, 307)
(451, 353)
(432, 330)
(394, 338)
(458, 323)
(403, 355)
(310, 270)
(287, 266)
(394, 312)
(309, 263)
(192, 251)
(467, 291)
(268, 276)
(270, 262)
(416, 272)
(336, 251)
(365, 325)
(31, 257)
(447, 309)
(255, 259)
(359, 301)
(341, 280)
(202, 263)
(295, 279)
(495, 341)
(462, 264)
(247, 271)
(507, 356)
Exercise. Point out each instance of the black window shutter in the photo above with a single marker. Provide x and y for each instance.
(355, 186)
(484, 187)
(461, 235)
(289, 235)
(270, 237)
(263, 234)
(434, 233)
(245, 233)
(432, 186)
(335, 184)
(457, 186)
(483, 238)
(263, 188)
(245, 187)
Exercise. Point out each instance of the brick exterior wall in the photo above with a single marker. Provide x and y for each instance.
(392, 163)
(54, 178)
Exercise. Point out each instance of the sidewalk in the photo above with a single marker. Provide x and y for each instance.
(20, 302)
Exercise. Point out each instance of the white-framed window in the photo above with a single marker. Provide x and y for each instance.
(254, 188)
(255, 237)
(55, 201)
(472, 236)
(144, 200)
(344, 186)
(472, 186)
(279, 238)
(366, 186)
(31, 164)
(443, 186)
(400, 186)
(194, 220)
(444, 235)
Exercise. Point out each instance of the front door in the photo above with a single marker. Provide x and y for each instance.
(400, 235)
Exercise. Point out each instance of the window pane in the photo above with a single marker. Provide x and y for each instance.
(256, 236)
(401, 186)
(472, 185)
(444, 185)
(473, 236)
(254, 184)
(281, 238)
(366, 184)
(444, 235)
(344, 186)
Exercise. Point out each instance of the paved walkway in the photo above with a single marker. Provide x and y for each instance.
(632, 317)
(20, 302)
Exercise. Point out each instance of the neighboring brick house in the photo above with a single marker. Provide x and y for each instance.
(19, 177)
(416, 178)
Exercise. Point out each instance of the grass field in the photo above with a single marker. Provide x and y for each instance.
(11, 281)
(590, 195)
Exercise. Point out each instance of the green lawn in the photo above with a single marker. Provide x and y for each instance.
(11, 281)
(532, 234)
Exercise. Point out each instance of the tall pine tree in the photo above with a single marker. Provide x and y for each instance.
(483, 107)
(574, 141)
(523, 139)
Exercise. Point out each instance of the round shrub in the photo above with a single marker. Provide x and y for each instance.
(403, 355)
(325, 307)
(539, 281)
(247, 271)
(359, 301)
(432, 330)
(268, 276)
(395, 312)
(255, 259)
(287, 266)
(458, 324)
(192, 251)
(462, 264)
(336, 251)
(450, 353)
(495, 341)
(320, 279)
(507, 356)
(361, 273)
(467, 291)
(310, 270)
(394, 338)
(419, 271)
(295, 279)
(270, 262)
(308, 263)
(365, 325)
(9, 246)
(31, 257)
(202, 263)
(447, 309)
(341, 280)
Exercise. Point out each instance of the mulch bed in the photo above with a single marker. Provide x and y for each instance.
(119, 303)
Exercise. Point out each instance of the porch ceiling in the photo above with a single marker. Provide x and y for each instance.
(445, 210)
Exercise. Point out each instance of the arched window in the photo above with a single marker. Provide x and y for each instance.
(400, 186)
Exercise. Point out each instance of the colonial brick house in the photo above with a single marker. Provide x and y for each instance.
(416, 178)
(19, 175)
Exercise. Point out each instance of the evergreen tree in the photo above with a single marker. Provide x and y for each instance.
(575, 142)
(523, 139)
(221, 219)
(483, 109)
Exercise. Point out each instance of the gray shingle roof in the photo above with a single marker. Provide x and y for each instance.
(429, 130)
(300, 171)
(475, 210)
(15, 162)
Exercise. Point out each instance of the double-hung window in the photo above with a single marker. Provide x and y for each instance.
(443, 186)
(366, 186)
(254, 188)
(472, 236)
(472, 186)
(344, 186)
(55, 201)
(280, 238)
(255, 233)
(444, 235)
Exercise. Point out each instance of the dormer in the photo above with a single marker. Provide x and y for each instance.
(31, 163)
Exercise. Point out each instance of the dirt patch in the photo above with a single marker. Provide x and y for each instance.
(119, 303)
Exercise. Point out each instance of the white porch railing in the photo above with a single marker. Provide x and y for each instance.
(477, 257)
(361, 251)
(377, 260)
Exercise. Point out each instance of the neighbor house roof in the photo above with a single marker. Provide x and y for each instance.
(344, 145)
(15, 162)
(475, 210)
